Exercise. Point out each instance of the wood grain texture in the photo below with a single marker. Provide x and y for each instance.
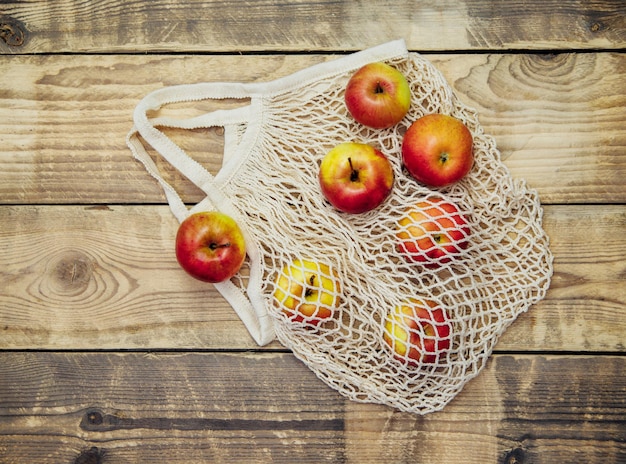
(64, 119)
(216, 26)
(77, 277)
(221, 408)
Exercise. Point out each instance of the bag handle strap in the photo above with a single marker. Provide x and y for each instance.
(250, 309)
(222, 90)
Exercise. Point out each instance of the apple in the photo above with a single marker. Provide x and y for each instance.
(432, 232)
(210, 246)
(378, 95)
(355, 177)
(307, 291)
(418, 332)
(437, 150)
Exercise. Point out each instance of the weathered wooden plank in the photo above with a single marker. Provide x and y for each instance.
(516, 411)
(167, 408)
(547, 127)
(269, 407)
(243, 26)
(75, 277)
(64, 119)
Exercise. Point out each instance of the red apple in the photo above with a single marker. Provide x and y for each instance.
(418, 332)
(378, 95)
(355, 177)
(432, 232)
(210, 246)
(437, 150)
(307, 291)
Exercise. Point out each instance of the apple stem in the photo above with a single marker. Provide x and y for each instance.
(309, 291)
(379, 88)
(215, 246)
(354, 175)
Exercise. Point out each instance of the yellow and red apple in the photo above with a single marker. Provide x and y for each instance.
(437, 150)
(355, 177)
(418, 332)
(210, 246)
(432, 232)
(307, 291)
(378, 95)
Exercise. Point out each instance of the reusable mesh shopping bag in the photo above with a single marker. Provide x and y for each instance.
(336, 288)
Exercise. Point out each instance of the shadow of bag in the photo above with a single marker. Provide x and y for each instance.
(268, 183)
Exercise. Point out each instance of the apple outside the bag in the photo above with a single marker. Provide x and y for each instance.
(210, 246)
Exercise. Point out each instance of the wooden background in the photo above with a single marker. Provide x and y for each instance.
(110, 354)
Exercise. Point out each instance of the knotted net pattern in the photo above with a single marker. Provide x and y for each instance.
(363, 274)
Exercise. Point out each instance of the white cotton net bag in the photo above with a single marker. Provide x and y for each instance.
(376, 320)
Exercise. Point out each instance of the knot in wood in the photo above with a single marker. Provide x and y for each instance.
(94, 417)
(91, 456)
(515, 456)
(72, 271)
(12, 31)
(597, 26)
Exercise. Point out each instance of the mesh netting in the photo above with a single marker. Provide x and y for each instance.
(362, 274)
(374, 313)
